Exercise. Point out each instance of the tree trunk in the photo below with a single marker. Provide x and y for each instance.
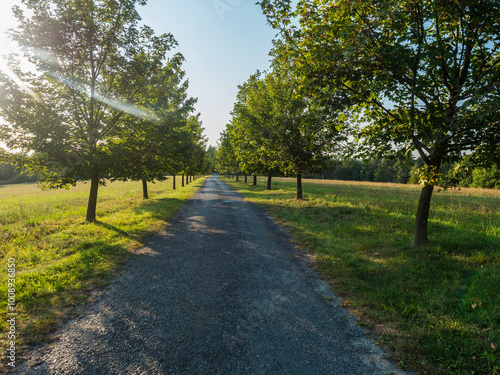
(255, 180)
(299, 186)
(92, 204)
(182, 180)
(424, 203)
(237, 178)
(145, 194)
(173, 182)
(269, 178)
(187, 179)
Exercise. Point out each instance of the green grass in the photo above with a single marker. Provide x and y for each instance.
(60, 258)
(435, 307)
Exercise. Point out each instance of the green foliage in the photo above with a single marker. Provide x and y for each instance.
(210, 161)
(226, 158)
(466, 173)
(274, 127)
(90, 60)
(248, 137)
(486, 177)
(414, 175)
(10, 174)
(194, 146)
(416, 76)
(148, 148)
(459, 174)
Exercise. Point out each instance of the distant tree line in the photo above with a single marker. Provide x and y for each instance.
(467, 174)
(9, 174)
(464, 174)
(375, 170)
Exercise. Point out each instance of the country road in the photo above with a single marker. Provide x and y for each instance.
(220, 291)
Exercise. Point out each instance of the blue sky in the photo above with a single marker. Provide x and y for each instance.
(223, 41)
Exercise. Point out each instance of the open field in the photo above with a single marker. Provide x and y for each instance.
(436, 307)
(60, 258)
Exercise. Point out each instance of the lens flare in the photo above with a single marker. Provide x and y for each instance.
(53, 63)
(121, 106)
(18, 81)
(54, 66)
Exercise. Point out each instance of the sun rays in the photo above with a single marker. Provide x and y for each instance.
(120, 105)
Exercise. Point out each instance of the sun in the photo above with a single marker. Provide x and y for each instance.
(7, 21)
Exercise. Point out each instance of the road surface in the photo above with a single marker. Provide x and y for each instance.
(220, 291)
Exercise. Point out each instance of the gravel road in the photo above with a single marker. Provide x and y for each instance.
(220, 291)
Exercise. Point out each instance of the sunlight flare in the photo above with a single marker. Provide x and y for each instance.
(53, 63)
(5, 69)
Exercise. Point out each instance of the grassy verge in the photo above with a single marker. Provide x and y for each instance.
(435, 307)
(59, 258)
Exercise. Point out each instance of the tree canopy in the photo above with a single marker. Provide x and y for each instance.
(417, 75)
(274, 125)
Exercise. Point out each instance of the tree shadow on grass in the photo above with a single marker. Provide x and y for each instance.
(94, 264)
(64, 286)
(447, 286)
(113, 228)
(161, 209)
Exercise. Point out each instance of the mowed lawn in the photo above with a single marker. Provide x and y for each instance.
(60, 258)
(436, 307)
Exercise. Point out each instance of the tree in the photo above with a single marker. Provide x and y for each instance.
(488, 178)
(226, 158)
(7, 171)
(146, 148)
(296, 135)
(193, 153)
(247, 136)
(419, 75)
(210, 160)
(92, 61)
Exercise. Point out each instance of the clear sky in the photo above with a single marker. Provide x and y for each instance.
(223, 41)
